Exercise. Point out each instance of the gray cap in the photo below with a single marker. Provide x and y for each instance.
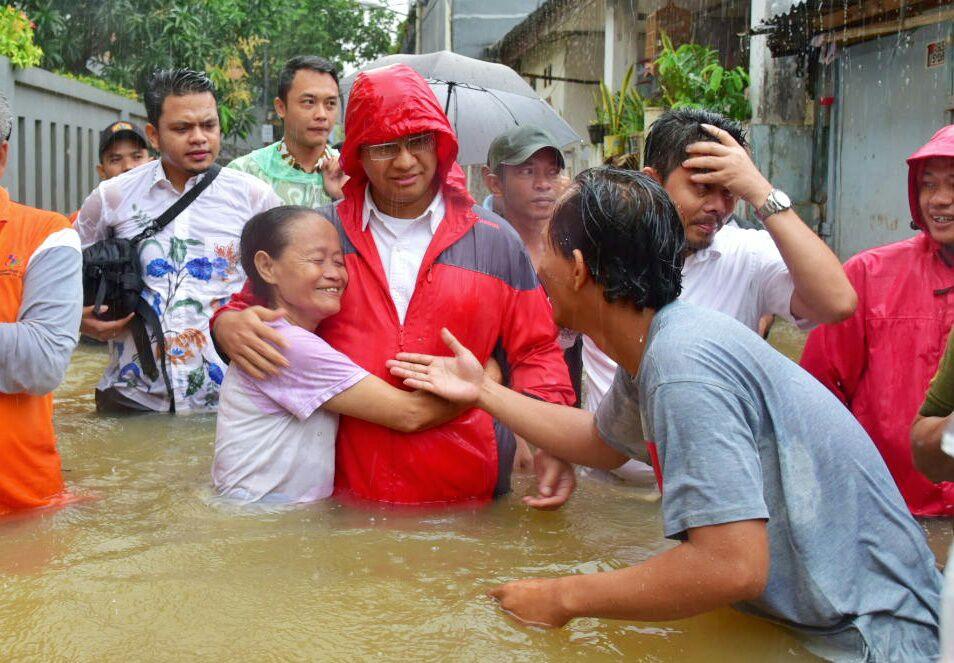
(516, 145)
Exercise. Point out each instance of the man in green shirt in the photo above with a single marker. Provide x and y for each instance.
(932, 456)
(302, 167)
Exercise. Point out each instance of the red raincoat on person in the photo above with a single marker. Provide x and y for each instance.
(476, 279)
(880, 361)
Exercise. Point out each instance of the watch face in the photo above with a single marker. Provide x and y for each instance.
(782, 199)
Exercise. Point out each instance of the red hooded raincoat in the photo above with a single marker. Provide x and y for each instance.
(476, 278)
(879, 362)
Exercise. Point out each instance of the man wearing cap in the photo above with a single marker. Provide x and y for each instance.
(524, 174)
(122, 147)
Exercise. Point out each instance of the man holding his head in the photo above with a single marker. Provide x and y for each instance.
(779, 502)
(700, 159)
(191, 267)
(302, 167)
(40, 298)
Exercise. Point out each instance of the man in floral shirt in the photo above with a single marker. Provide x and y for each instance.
(191, 266)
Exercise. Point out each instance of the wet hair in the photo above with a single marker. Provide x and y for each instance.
(676, 130)
(267, 231)
(629, 233)
(173, 82)
(6, 119)
(299, 62)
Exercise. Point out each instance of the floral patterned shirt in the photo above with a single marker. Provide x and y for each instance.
(190, 268)
(275, 165)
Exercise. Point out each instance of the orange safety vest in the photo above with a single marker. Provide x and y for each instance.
(30, 473)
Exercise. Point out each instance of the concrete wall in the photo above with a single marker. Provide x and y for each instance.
(571, 56)
(781, 127)
(887, 104)
(55, 140)
(477, 24)
(435, 26)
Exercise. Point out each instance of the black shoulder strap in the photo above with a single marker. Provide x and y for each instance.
(184, 201)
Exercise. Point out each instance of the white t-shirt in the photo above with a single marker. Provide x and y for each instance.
(741, 274)
(272, 442)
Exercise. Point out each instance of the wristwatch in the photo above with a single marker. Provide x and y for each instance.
(777, 201)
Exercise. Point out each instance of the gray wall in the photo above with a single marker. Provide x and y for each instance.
(887, 104)
(477, 24)
(474, 24)
(55, 139)
(434, 25)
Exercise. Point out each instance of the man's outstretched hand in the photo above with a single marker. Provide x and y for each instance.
(457, 379)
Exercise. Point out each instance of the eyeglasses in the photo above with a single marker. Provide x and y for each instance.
(387, 151)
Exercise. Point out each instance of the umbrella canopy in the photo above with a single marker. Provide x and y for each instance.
(482, 100)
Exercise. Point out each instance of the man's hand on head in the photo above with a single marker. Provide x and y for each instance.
(249, 342)
(727, 164)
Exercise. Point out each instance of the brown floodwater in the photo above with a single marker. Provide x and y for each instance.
(152, 567)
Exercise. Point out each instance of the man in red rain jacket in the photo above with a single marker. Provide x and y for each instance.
(421, 255)
(879, 362)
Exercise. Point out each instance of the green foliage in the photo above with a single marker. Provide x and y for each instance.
(621, 112)
(691, 77)
(102, 84)
(16, 38)
(235, 41)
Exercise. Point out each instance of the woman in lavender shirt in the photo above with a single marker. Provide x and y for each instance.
(275, 436)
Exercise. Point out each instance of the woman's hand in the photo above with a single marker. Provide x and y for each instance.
(458, 378)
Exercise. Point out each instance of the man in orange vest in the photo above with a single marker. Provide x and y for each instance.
(40, 304)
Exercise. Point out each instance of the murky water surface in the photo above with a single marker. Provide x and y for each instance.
(152, 568)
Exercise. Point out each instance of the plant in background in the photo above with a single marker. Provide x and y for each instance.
(16, 38)
(621, 112)
(691, 77)
(236, 41)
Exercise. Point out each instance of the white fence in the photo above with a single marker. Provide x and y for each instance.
(55, 140)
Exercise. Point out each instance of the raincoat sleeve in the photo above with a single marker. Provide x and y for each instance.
(836, 354)
(240, 301)
(529, 337)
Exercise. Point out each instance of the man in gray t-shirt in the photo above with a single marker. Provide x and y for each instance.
(743, 433)
(782, 505)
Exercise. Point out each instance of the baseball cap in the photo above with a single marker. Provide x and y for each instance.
(516, 145)
(120, 129)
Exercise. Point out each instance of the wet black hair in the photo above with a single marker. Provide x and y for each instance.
(628, 231)
(311, 62)
(173, 82)
(676, 130)
(267, 231)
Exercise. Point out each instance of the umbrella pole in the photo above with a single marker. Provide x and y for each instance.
(450, 90)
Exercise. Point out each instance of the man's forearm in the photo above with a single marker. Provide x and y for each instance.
(823, 293)
(679, 583)
(565, 432)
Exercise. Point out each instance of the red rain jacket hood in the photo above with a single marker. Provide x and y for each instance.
(476, 279)
(880, 361)
(388, 103)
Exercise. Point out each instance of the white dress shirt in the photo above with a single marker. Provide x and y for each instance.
(190, 268)
(741, 274)
(401, 245)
